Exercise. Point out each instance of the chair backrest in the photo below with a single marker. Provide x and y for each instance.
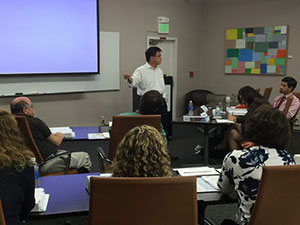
(287, 106)
(297, 94)
(122, 124)
(28, 138)
(267, 92)
(2, 218)
(30, 142)
(278, 196)
(257, 90)
(198, 98)
(213, 99)
(147, 201)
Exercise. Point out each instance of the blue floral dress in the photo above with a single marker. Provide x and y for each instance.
(242, 170)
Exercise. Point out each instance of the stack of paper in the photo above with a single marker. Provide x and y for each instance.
(224, 121)
(67, 131)
(236, 112)
(197, 171)
(104, 135)
(41, 200)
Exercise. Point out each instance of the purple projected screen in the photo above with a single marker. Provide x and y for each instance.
(48, 36)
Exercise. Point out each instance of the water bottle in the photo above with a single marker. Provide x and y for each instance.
(217, 111)
(227, 100)
(221, 106)
(36, 173)
(191, 108)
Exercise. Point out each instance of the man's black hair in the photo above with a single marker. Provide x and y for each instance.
(151, 52)
(291, 82)
(151, 103)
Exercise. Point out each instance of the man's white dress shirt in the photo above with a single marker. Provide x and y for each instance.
(147, 78)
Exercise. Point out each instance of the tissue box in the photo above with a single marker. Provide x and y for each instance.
(187, 118)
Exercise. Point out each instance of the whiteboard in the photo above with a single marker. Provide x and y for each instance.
(108, 79)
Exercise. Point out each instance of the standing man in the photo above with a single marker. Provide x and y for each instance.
(48, 142)
(288, 84)
(150, 77)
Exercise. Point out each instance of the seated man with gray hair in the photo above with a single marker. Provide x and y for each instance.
(47, 141)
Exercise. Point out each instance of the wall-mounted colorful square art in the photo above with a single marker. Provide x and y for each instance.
(256, 50)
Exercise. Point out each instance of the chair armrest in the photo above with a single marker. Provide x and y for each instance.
(103, 160)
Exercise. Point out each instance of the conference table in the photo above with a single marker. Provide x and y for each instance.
(81, 133)
(206, 127)
(68, 196)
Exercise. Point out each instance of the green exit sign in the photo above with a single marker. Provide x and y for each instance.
(163, 28)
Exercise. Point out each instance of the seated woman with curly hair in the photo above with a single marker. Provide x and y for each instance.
(269, 132)
(16, 172)
(142, 153)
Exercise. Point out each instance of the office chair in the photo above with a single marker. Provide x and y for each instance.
(147, 201)
(286, 109)
(198, 97)
(104, 162)
(287, 106)
(267, 92)
(2, 218)
(122, 124)
(297, 94)
(278, 197)
(29, 141)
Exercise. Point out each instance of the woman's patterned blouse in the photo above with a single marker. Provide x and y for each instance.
(242, 170)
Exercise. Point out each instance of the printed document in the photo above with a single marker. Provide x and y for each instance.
(197, 171)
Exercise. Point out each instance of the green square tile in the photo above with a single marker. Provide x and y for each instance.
(234, 62)
(231, 52)
(240, 33)
(261, 46)
(248, 71)
(279, 61)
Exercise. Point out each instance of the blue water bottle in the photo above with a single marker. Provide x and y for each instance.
(191, 108)
(36, 173)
